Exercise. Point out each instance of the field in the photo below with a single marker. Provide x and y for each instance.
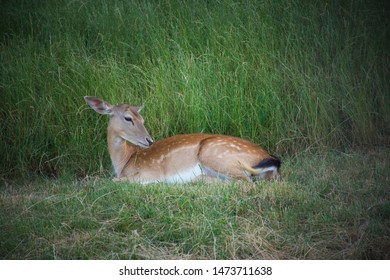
(329, 206)
(307, 80)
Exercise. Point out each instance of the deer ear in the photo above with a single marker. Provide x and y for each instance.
(99, 105)
(137, 108)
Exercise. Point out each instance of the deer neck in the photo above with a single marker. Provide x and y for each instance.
(120, 151)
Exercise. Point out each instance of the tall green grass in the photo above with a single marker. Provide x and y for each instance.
(289, 75)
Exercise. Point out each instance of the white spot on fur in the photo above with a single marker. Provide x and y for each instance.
(235, 147)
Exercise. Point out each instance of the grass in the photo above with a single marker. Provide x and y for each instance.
(329, 206)
(307, 80)
(285, 74)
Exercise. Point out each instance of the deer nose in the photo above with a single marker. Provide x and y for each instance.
(150, 141)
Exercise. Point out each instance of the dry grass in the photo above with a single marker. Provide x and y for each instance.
(330, 205)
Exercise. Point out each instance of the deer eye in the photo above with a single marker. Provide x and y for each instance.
(129, 119)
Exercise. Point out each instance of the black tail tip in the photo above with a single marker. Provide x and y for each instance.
(268, 162)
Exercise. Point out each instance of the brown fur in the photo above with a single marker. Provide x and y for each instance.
(180, 156)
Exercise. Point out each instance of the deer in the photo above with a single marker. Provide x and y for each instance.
(180, 158)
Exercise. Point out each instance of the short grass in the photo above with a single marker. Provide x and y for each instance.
(330, 205)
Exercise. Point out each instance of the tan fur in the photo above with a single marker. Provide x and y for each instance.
(174, 159)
